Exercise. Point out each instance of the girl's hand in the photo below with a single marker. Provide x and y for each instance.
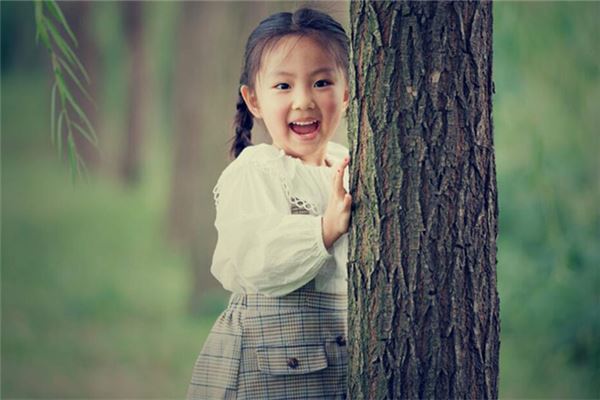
(336, 219)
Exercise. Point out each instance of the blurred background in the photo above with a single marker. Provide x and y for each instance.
(106, 290)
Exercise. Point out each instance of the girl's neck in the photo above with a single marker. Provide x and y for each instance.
(322, 161)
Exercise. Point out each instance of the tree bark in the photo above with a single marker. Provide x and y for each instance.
(187, 124)
(423, 304)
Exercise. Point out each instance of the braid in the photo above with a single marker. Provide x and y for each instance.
(243, 128)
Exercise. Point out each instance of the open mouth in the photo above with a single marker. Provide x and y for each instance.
(304, 128)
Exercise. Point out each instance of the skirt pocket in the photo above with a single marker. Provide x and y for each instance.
(292, 353)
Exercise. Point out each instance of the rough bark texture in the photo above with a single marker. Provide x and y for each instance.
(424, 309)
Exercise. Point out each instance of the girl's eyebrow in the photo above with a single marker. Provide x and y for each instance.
(315, 72)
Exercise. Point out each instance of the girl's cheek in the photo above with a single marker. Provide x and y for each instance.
(334, 98)
(332, 104)
(281, 104)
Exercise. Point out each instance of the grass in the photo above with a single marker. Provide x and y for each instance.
(93, 299)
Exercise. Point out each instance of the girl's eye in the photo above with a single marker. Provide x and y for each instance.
(280, 84)
(323, 83)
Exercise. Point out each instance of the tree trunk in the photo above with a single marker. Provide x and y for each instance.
(423, 304)
(137, 91)
(205, 83)
(187, 123)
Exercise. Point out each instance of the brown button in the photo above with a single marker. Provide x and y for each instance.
(341, 340)
(292, 362)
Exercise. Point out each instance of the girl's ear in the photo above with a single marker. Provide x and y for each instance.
(250, 99)
(346, 100)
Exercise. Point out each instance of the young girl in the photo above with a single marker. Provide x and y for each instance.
(282, 217)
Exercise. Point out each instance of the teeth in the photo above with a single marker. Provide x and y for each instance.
(304, 123)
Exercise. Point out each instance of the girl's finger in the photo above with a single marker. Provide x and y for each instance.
(336, 187)
(340, 182)
(338, 179)
(347, 200)
(342, 163)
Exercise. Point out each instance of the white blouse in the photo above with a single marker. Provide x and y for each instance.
(263, 247)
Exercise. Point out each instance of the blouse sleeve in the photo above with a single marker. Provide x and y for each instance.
(262, 247)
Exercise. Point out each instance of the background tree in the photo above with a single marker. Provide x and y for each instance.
(137, 91)
(424, 310)
(205, 80)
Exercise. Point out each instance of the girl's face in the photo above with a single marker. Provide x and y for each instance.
(299, 82)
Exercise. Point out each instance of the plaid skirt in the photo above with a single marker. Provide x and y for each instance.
(289, 347)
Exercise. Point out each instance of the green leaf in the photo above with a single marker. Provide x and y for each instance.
(62, 45)
(92, 139)
(45, 39)
(38, 20)
(84, 169)
(66, 49)
(64, 91)
(82, 69)
(52, 112)
(76, 80)
(48, 34)
(62, 87)
(59, 133)
(72, 157)
(55, 10)
(81, 114)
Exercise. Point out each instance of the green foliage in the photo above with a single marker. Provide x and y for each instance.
(546, 68)
(64, 64)
(93, 300)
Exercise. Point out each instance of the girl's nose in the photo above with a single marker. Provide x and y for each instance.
(303, 100)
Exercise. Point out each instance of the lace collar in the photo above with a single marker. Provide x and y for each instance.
(277, 163)
(333, 155)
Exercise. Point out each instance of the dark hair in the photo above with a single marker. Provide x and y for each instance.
(304, 22)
